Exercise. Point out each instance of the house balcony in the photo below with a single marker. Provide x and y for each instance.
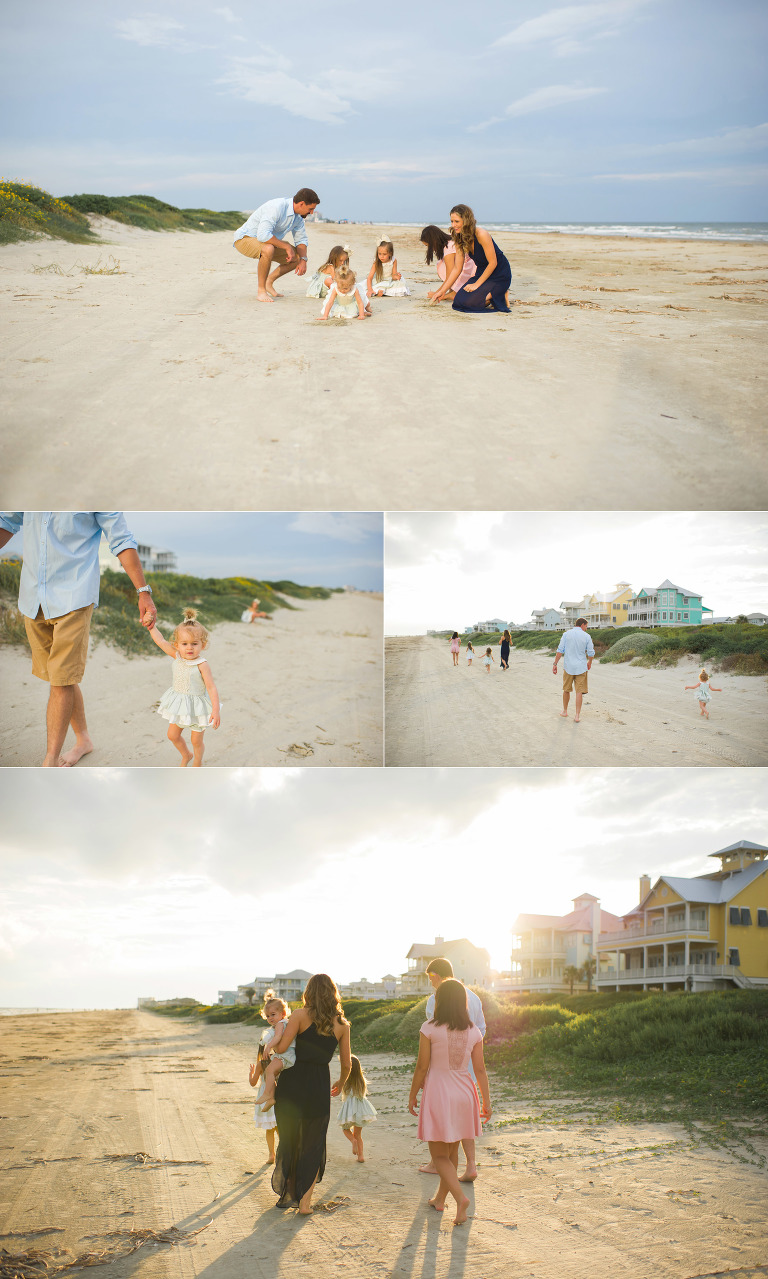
(538, 953)
(630, 936)
(540, 984)
(675, 972)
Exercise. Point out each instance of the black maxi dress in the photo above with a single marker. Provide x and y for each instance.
(505, 651)
(497, 283)
(302, 1110)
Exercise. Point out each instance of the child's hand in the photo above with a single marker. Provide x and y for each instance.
(336, 1089)
(253, 1074)
(485, 1112)
(215, 719)
(413, 1106)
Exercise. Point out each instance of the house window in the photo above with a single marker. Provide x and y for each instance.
(678, 617)
(762, 917)
(663, 617)
(733, 957)
(685, 617)
(746, 916)
(586, 938)
(734, 915)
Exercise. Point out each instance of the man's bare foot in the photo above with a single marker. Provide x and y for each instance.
(430, 1167)
(434, 1203)
(273, 293)
(563, 714)
(461, 1212)
(469, 1174)
(263, 296)
(83, 747)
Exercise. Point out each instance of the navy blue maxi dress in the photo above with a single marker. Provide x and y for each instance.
(302, 1111)
(496, 284)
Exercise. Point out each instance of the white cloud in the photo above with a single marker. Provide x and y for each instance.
(749, 138)
(553, 95)
(560, 26)
(256, 79)
(747, 175)
(150, 29)
(226, 13)
(342, 528)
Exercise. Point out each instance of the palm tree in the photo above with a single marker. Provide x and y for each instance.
(589, 969)
(250, 991)
(572, 974)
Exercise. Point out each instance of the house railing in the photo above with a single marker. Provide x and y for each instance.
(660, 972)
(653, 930)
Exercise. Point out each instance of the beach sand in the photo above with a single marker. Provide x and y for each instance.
(311, 674)
(438, 715)
(630, 375)
(556, 1195)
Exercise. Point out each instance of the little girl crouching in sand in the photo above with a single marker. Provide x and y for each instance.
(356, 1109)
(345, 299)
(276, 1012)
(192, 701)
(322, 280)
(705, 689)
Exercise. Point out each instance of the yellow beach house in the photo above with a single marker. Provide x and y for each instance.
(471, 964)
(705, 933)
(543, 946)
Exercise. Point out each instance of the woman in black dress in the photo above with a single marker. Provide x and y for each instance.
(494, 274)
(303, 1093)
(505, 641)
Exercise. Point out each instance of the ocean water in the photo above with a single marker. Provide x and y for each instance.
(751, 232)
(25, 1012)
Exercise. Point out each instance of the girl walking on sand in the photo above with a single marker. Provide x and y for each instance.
(356, 1109)
(488, 658)
(504, 657)
(703, 691)
(455, 645)
(449, 1111)
(470, 653)
(192, 701)
(384, 279)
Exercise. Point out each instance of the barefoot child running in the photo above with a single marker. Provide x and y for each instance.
(470, 652)
(705, 689)
(276, 1012)
(265, 1121)
(192, 701)
(487, 661)
(356, 1109)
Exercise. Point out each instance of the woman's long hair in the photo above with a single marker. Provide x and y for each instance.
(322, 1002)
(436, 242)
(464, 238)
(451, 1005)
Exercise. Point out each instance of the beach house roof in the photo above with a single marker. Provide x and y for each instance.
(575, 921)
(296, 974)
(667, 585)
(703, 888)
(742, 843)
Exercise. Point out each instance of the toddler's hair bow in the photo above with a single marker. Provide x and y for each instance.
(384, 240)
(346, 248)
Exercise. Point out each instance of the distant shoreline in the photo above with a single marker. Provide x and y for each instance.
(706, 232)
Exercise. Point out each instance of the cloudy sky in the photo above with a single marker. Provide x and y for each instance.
(453, 569)
(610, 110)
(311, 548)
(119, 884)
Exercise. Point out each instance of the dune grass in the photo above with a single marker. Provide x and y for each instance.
(151, 214)
(27, 212)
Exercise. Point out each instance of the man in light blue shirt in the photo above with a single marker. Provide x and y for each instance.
(263, 237)
(437, 971)
(58, 592)
(577, 650)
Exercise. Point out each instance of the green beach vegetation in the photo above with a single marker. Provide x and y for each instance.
(28, 212)
(736, 647)
(217, 599)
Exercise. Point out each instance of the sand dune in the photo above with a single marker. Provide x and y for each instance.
(437, 714)
(311, 674)
(628, 376)
(556, 1195)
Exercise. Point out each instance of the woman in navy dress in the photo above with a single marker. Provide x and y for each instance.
(494, 274)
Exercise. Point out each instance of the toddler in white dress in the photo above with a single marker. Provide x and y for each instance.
(192, 701)
(703, 691)
(384, 279)
(322, 280)
(356, 1109)
(276, 1012)
(345, 298)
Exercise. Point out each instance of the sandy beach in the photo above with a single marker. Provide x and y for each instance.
(152, 1130)
(437, 714)
(630, 373)
(303, 688)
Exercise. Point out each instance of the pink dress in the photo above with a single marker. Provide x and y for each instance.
(467, 271)
(449, 1109)
(454, 646)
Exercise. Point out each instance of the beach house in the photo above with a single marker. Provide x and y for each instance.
(666, 605)
(153, 559)
(543, 946)
(547, 619)
(709, 932)
(386, 988)
(471, 964)
(572, 610)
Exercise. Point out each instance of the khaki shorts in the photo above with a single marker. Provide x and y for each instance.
(59, 645)
(251, 248)
(579, 682)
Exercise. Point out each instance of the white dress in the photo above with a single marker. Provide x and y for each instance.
(356, 1111)
(344, 304)
(392, 288)
(470, 654)
(186, 703)
(264, 1119)
(317, 287)
(702, 693)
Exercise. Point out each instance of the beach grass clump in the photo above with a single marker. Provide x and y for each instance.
(12, 630)
(28, 212)
(629, 646)
(151, 214)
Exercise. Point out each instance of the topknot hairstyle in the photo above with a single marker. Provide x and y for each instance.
(191, 625)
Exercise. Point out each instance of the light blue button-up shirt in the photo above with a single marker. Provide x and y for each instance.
(277, 218)
(576, 646)
(60, 569)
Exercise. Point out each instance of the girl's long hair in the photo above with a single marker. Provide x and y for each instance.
(378, 265)
(464, 238)
(322, 1002)
(356, 1084)
(337, 252)
(436, 242)
(451, 1005)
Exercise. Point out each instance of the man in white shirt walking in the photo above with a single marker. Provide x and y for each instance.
(437, 971)
(263, 237)
(577, 650)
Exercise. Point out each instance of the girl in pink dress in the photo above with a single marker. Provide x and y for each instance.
(453, 267)
(449, 1110)
(455, 646)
